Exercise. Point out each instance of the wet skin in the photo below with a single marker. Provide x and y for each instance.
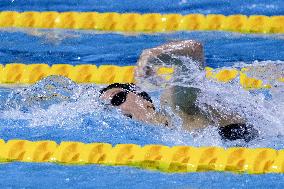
(136, 107)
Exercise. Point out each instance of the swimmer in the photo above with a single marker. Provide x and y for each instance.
(133, 103)
(138, 105)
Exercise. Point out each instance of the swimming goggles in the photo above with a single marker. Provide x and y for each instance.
(121, 97)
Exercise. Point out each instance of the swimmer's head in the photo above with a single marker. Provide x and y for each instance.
(132, 103)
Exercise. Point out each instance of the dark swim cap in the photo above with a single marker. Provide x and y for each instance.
(128, 87)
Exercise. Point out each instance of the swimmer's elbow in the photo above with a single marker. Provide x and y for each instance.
(187, 48)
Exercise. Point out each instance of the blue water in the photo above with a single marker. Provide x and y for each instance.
(18, 175)
(84, 120)
(227, 7)
(52, 47)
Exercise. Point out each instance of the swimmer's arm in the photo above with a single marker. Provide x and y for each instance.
(167, 55)
(163, 55)
(182, 97)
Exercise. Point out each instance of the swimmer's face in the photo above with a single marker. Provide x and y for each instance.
(134, 106)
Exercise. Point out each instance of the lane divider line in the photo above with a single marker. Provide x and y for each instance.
(156, 157)
(16, 73)
(151, 22)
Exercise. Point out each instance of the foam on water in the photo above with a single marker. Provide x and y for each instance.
(58, 103)
(262, 108)
(58, 106)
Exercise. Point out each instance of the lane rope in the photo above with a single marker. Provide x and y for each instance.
(157, 157)
(16, 73)
(133, 22)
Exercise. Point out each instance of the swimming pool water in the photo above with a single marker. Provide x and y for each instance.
(83, 119)
(28, 175)
(88, 47)
(226, 7)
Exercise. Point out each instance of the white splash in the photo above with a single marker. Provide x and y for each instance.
(70, 104)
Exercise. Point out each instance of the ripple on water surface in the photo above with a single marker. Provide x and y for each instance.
(58, 109)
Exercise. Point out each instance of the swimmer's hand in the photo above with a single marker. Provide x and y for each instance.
(167, 55)
(170, 55)
(238, 131)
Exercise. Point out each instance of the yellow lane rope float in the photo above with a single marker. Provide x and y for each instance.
(133, 22)
(107, 74)
(158, 157)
